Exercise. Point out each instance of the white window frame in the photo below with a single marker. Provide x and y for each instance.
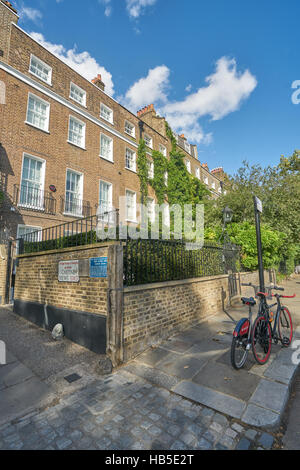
(187, 147)
(133, 152)
(31, 95)
(83, 133)
(162, 149)
(111, 120)
(151, 212)
(166, 176)
(34, 229)
(213, 185)
(33, 157)
(146, 136)
(110, 208)
(127, 215)
(188, 166)
(112, 147)
(49, 81)
(206, 180)
(150, 169)
(197, 172)
(132, 134)
(77, 214)
(83, 103)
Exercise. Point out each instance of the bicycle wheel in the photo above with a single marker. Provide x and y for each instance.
(239, 351)
(261, 340)
(285, 327)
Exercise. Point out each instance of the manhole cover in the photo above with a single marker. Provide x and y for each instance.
(72, 378)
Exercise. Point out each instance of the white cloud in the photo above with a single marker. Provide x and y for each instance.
(150, 89)
(136, 8)
(108, 7)
(188, 88)
(82, 62)
(226, 89)
(28, 13)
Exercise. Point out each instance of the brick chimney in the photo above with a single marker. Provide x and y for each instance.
(98, 82)
(145, 110)
(205, 166)
(218, 172)
(9, 5)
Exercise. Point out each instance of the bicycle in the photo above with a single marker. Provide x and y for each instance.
(259, 335)
(241, 341)
(263, 333)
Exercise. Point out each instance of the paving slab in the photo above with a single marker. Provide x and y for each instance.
(260, 417)
(183, 367)
(218, 401)
(22, 398)
(223, 378)
(154, 376)
(153, 356)
(13, 373)
(270, 395)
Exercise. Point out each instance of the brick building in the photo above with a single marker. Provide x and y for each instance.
(65, 145)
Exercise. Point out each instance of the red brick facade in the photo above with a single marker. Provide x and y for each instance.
(51, 146)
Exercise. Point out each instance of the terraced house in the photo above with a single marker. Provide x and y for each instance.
(66, 146)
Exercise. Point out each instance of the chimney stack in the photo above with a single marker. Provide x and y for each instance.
(145, 110)
(9, 5)
(98, 82)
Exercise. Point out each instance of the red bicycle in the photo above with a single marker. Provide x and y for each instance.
(260, 334)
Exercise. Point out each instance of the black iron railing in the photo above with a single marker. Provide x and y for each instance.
(75, 207)
(147, 261)
(85, 231)
(30, 198)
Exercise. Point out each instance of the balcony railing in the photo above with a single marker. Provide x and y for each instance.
(75, 207)
(33, 199)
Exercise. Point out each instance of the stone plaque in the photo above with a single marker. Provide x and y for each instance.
(68, 271)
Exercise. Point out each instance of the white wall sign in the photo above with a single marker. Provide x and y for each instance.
(68, 271)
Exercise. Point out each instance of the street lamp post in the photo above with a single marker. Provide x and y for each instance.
(258, 211)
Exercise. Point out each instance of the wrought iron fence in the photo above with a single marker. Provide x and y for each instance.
(75, 207)
(147, 261)
(34, 199)
(85, 231)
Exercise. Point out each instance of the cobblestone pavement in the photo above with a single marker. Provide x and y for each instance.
(123, 412)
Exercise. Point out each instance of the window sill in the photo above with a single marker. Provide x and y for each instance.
(106, 159)
(36, 127)
(75, 145)
(39, 78)
(78, 102)
(31, 207)
(106, 120)
(129, 169)
(71, 214)
(130, 135)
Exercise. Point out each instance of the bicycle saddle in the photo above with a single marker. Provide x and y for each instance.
(248, 301)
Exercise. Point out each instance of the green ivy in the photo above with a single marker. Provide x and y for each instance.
(158, 182)
(142, 165)
(1, 197)
(170, 135)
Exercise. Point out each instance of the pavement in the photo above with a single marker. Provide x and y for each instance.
(183, 395)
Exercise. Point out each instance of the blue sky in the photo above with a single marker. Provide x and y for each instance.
(221, 71)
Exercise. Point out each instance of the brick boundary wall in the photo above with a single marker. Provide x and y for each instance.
(153, 312)
(81, 307)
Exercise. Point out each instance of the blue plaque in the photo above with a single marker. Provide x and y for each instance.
(98, 267)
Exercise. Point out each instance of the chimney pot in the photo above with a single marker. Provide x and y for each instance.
(98, 82)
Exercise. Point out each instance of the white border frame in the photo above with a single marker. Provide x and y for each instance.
(81, 89)
(84, 126)
(43, 161)
(130, 169)
(109, 109)
(81, 189)
(126, 218)
(48, 112)
(112, 148)
(32, 56)
(134, 133)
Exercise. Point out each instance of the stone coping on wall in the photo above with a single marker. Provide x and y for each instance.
(157, 285)
(68, 249)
